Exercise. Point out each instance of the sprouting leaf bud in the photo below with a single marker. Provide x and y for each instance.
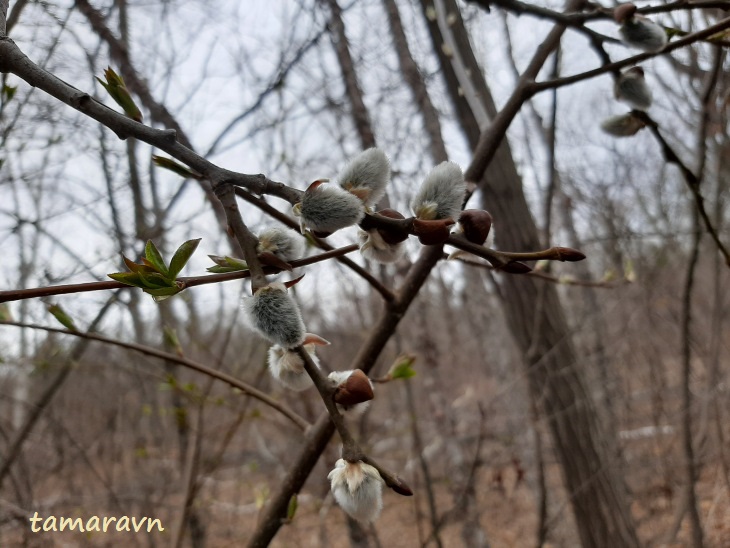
(624, 125)
(327, 208)
(442, 193)
(275, 314)
(358, 489)
(353, 393)
(282, 242)
(366, 176)
(631, 88)
(637, 31)
(287, 367)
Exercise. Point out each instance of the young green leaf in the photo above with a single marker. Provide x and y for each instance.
(292, 508)
(127, 278)
(160, 295)
(118, 91)
(155, 280)
(182, 256)
(402, 368)
(61, 315)
(226, 264)
(153, 255)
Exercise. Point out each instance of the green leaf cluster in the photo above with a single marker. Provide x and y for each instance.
(152, 275)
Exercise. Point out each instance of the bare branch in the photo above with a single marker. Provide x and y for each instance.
(190, 364)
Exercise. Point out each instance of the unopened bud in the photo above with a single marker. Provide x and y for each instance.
(475, 224)
(570, 255)
(353, 391)
(356, 389)
(358, 489)
(442, 193)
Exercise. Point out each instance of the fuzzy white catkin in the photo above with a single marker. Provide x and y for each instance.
(631, 88)
(358, 489)
(328, 208)
(442, 193)
(367, 176)
(287, 367)
(374, 248)
(643, 34)
(282, 242)
(623, 125)
(273, 312)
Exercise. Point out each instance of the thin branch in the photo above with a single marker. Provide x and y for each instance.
(491, 138)
(184, 282)
(536, 87)
(243, 235)
(190, 364)
(13, 60)
(693, 182)
(319, 435)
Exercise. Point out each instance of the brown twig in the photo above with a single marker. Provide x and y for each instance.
(536, 87)
(184, 282)
(190, 364)
(692, 180)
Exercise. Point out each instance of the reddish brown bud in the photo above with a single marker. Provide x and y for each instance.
(392, 236)
(356, 389)
(569, 254)
(476, 224)
(432, 232)
(624, 12)
(321, 233)
(401, 487)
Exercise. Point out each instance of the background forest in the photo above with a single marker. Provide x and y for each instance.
(581, 404)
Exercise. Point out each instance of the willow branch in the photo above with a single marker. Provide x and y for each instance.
(190, 364)
(693, 182)
(184, 282)
(536, 87)
(285, 219)
(14, 61)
